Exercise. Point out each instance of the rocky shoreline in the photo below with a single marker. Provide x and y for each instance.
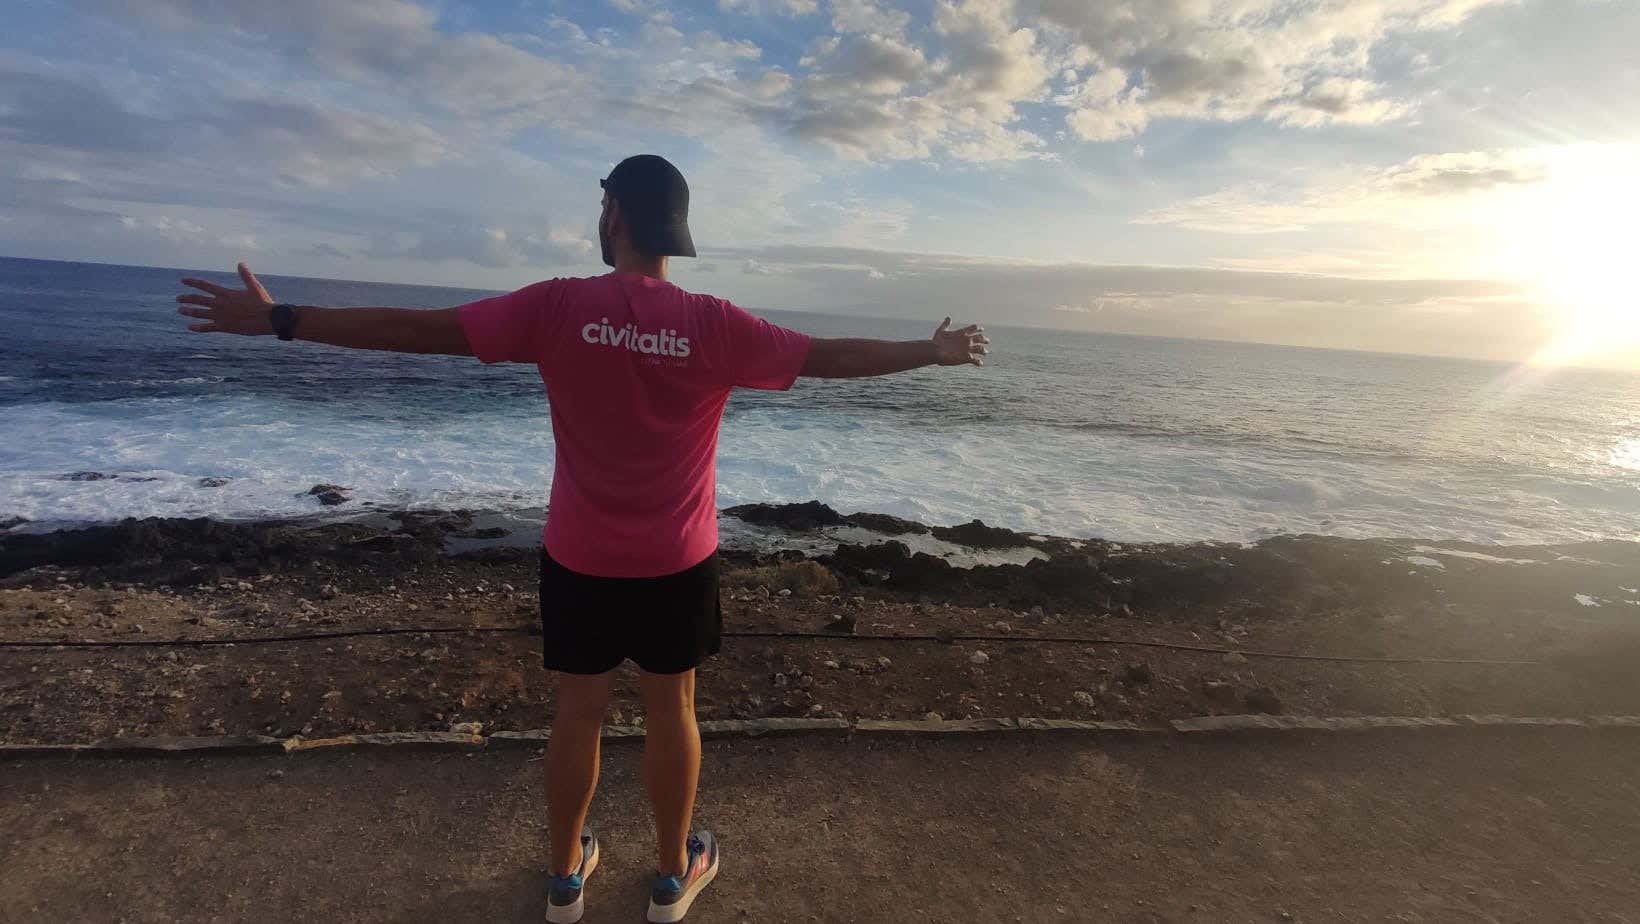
(831, 578)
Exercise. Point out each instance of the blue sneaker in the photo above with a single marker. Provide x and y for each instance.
(671, 896)
(565, 903)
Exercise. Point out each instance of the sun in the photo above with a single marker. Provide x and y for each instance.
(1572, 241)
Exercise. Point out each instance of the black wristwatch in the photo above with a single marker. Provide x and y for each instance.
(283, 318)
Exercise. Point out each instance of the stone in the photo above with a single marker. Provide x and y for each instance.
(1263, 699)
(1002, 627)
(1235, 657)
(979, 657)
(1038, 612)
(933, 717)
(802, 517)
(1137, 672)
(1219, 690)
(831, 665)
(211, 482)
(785, 591)
(329, 494)
(976, 534)
(885, 524)
(1084, 698)
(244, 586)
(781, 680)
(884, 663)
(327, 592)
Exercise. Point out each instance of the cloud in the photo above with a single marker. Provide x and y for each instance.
(299, 141)
(1472, 317)
(389, 44)
(956, 82)
(867, 16)
(870, 95)
(770, 7)
(494, 247)
(1305, 65)
(1413, 192)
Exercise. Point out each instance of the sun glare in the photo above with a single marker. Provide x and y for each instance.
(1572, 240)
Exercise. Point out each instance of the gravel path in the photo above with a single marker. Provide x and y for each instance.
(1473, 825)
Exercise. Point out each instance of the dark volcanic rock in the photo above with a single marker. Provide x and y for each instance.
(329, 494)
(904, 570)
(488, 532)
(885, 524)
(183, 552)
(212, 482)
(976, 534)
(801, 517)
(9, 522)
(1263, 699)
(83, 476)
(433, 524)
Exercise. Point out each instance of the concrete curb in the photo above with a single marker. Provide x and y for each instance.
(469, 741)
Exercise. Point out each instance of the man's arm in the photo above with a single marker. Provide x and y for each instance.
(846, 358)
(248, 311)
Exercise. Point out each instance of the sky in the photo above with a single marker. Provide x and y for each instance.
(1452, 177)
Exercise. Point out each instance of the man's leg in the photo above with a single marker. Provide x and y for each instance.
(572, 762)
(671, 762)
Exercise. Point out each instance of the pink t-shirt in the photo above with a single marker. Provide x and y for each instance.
(637, 372)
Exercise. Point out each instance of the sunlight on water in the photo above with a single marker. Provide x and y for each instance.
(1627, 455)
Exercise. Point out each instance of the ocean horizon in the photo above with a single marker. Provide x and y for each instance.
(112, 409)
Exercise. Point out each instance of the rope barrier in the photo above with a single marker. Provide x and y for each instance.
(942, 637)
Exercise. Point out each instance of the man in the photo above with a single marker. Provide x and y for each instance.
(637, 372)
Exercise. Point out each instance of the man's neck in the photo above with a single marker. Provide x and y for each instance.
(653, 267)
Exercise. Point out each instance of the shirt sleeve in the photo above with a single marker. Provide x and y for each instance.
(760, 354)
(518, 327)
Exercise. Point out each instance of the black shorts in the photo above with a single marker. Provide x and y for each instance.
(666, 624)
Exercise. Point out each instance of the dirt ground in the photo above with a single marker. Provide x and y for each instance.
(143, 581)
(1452, 826)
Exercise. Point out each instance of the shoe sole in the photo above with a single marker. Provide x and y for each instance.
(671, 914)
(571, 913)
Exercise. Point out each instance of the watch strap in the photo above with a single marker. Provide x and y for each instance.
(283, 319)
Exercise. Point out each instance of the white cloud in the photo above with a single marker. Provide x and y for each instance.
(768, 7)
(1469, 317)
(878, 96)
(393, 45)
(294, 140)
(496, 247)
(1412, 193)
(1303, 64)
(867, 16)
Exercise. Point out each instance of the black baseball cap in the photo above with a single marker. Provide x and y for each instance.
(655, 203)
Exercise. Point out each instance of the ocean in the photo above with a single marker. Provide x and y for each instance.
(1063, 433)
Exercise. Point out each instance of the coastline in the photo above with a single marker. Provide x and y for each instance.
(801, 569)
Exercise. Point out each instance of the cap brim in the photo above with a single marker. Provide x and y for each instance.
(672, 241)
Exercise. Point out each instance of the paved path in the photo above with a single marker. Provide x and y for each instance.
(1518, 825)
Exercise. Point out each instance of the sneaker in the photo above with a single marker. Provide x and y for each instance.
(671, 896)
(565, 903)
